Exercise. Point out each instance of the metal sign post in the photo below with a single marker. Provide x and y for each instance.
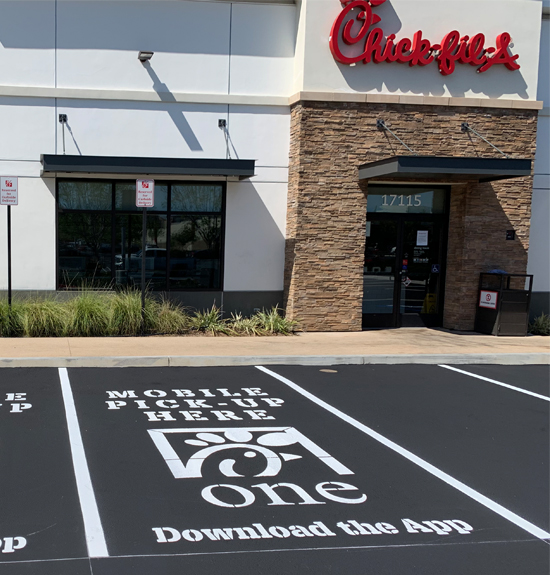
(9, 256)
(143, 249)
(9, 197)
(145, 198)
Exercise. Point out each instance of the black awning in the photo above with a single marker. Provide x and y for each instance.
(52, 164)
(442, 168)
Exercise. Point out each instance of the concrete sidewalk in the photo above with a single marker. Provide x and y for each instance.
(405, 345)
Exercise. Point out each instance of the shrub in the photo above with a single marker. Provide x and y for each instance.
(46, 318)
(209, 321)
(273, 322)
(240, 325)
(89, 315)
(541, 325)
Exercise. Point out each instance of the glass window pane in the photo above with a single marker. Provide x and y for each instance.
(405, 200)
(379, 267)
(196, 198)
(84, 250)
(125, 197)
(195, 252)
(85, 195)
(128, 251)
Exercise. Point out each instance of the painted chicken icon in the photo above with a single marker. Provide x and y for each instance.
(269, 448)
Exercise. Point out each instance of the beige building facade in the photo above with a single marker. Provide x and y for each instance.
(357, 162)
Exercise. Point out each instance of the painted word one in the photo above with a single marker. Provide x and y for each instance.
(218, 494)
(352, 25)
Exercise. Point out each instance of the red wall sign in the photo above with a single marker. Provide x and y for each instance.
(353, 24)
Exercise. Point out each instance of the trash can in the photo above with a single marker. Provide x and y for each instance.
(503, 303)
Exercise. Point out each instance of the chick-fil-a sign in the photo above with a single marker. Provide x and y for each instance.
(352, 27)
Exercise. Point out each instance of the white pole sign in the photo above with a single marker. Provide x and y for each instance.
(145, 193)
(8, 191)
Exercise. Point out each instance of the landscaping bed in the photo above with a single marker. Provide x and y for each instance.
(93, 314)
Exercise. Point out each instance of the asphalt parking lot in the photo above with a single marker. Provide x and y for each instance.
(373, 469)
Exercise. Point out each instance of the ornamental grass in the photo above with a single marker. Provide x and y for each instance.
(540, 325)
(89, 316)
(98, 314)
(46, 318)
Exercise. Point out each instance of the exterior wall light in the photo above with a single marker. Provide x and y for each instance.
(144, 56)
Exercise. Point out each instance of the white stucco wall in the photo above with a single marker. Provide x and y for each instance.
(27, 43)
(33, 237)
(204, 49)
(539, 248)
(114, 128)
(200, 47)
(256, 209)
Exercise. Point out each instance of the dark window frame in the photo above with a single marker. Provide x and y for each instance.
(168, 213)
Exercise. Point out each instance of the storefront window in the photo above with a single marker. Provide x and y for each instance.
(84, 241)
(100, 236)
(195, 252)
(128, 229)
(85, 195)
(194, 198)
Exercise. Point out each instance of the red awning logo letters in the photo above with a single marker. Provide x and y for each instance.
(356, 18)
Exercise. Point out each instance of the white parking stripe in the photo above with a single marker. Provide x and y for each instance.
(472, 493)
(537, 395)
(95, 538)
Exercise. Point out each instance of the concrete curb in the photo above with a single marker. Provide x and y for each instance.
(321, 360)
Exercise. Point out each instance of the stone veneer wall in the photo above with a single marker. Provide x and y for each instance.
(327, 208)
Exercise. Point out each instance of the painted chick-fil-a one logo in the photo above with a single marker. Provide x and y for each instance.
(353, 27)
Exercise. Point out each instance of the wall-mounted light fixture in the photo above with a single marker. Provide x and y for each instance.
(63, 120)
(222, 125)
(144, 56)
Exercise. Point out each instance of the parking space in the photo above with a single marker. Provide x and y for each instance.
(493, 439)
(356, 469)
(40, 516)
(533, 378)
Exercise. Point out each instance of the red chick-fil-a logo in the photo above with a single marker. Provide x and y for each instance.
(353, 24)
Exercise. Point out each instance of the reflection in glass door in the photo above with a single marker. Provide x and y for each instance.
(128, 256)
(379, 271)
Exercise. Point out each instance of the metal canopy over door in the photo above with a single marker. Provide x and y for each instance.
(405, 249)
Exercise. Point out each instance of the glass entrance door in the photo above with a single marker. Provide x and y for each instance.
(404, 263)
(420, 278)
